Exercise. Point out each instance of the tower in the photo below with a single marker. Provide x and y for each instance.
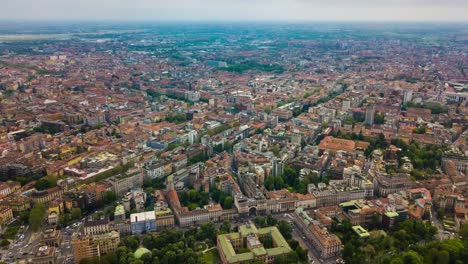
(370, 113)
(407, 96)
(170, 183)
(277, 167)
(346, 105)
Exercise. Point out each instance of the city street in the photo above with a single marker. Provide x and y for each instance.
(22, 247)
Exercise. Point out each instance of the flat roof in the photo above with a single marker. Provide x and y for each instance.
(360, 231)
(143, 216)
(119, 210)
(391, 214)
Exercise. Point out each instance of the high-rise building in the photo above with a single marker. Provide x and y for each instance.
(170, 183)
(407, 96)
(370, 113)
(346, 105)
(277, 167)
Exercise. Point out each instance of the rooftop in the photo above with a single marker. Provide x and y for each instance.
(143, 216)
(251, 232)
(360, 231)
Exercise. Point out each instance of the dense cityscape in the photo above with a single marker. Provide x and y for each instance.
(233, 143)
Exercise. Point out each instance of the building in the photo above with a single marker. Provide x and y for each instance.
(164, 215)
(155, 170)
(277, 167)
(385, 184)
(6, 188)
(333, 144)
(143, 222)
(51, 237)
(123, 183)
(45, 255)
(119, 213)
(193, 96)
(456, 92)
(407, 96)
(6, 215)
(190, 218)
(32, 143)
(282, 114)
(327, 244)
(448, 200)
(389, 219)
(360, 231)
(82, 248)
(46, 196)
(362, 212)
(93, 227)
(164, 218)
(107, 242)
(422, 203)
(370, 114)
(345, 105)
(85, 246)
(249, 237)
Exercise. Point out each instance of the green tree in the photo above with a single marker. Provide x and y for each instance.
(285, 228)
(464, 232)
(109, 197)
(228, 202)
(420, 130)
(290, 175)
(276, 150)
(379, 119)
(76, 213)
(271, 221)
(132, 242)
(397, 260)
(442, 257)
(225, 227)
(207, 231)
(42, 184)
(36, 216)
(412, 257)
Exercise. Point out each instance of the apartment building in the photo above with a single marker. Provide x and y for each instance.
(327, 244)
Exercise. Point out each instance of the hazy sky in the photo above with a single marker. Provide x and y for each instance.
(235, 10)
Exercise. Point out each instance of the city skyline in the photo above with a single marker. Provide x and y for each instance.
(233, 131)
(235, 10)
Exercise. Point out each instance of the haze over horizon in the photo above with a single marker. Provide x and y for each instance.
(235, 10)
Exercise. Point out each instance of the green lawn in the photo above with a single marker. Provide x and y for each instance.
(211, 257)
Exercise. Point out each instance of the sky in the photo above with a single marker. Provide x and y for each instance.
(234, 10)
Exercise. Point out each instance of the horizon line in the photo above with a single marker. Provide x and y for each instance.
(218, 21)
